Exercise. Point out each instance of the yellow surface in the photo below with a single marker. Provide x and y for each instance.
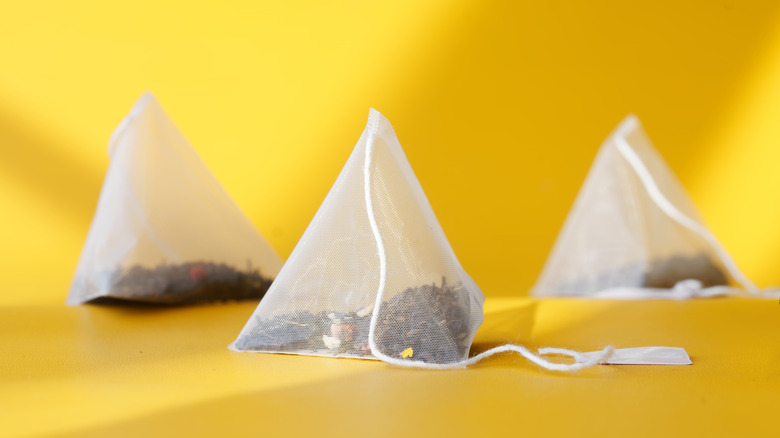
(119, 371)
(500, 107)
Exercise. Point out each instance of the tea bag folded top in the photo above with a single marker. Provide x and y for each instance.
(165, 231)
(634, 232)
(373, 276)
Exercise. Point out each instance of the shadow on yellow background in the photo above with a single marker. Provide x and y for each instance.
(500, 107)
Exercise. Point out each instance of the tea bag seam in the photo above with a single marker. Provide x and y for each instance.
(581, 362)
(123, 125)
(137, 208)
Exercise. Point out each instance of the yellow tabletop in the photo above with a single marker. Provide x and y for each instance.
(140, 371)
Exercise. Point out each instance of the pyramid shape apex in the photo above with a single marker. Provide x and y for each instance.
(628, 125)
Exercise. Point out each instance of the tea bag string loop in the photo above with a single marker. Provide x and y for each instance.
(581, 362)
(675, 214)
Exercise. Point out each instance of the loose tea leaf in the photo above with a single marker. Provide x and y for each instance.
(189, 283)
(430, 320)
(428, 323)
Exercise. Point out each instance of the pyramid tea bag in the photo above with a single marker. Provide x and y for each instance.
(164, 230)
(374, 277)
(374, 252)
(633, 231)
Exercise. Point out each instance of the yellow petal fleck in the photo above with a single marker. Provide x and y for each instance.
(407, 353)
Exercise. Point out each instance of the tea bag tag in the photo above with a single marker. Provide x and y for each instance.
(644, 356)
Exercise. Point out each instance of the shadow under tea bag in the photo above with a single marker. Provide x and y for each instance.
(633, 232)
(374, 251)
(165, 231)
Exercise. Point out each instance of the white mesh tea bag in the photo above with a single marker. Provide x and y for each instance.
(164, 230)
(373, 275)
(634, 232)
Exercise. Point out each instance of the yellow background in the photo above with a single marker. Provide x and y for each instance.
(500, 107)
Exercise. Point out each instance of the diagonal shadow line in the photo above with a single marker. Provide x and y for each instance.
(88, 340)
(47, 167)
(306, 410)
(514, 323)
(538, 118)
(384, 394)
(265, 411)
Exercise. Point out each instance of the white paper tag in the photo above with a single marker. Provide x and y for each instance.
(645, 356)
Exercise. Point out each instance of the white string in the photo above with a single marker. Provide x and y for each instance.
(581, 362)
